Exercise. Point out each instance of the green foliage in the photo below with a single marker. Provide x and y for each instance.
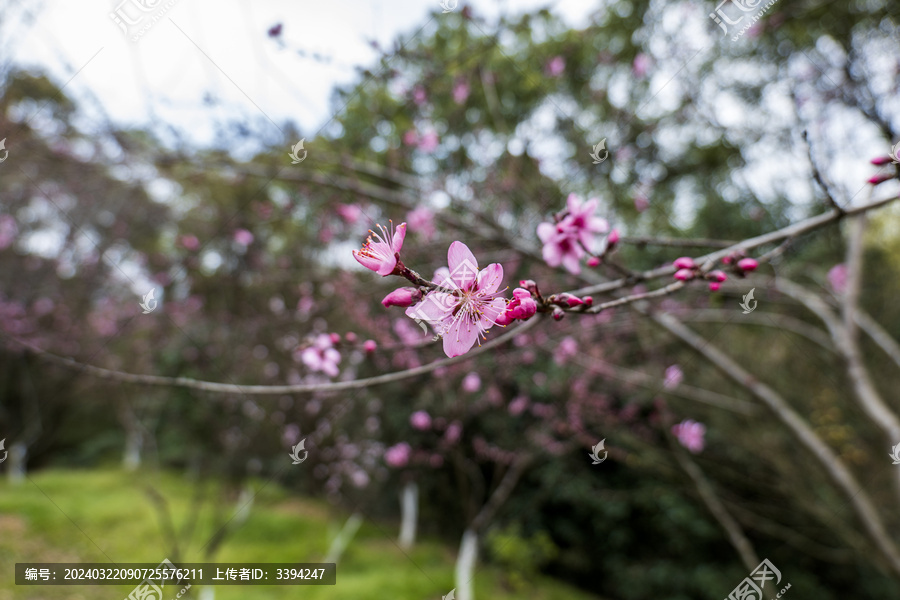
(522, 557)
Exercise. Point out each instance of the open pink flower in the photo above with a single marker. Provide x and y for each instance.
(243, 237)
(322, 356)
(460, 91)
(468, 304)
(471, 383)
(429, 141)
(422, 222)
(690, 435)
(522, 306)
(566, 242)
(556, 66)
(381, 256)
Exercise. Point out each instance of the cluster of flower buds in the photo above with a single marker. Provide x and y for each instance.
(880, 162)
(566, 300)
(686, 269)
(522, 307)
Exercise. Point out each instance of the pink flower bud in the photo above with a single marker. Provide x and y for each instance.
(726, 260)
(402, 297)
(719, 276)
(747, 264)
(588, 300)
(613, 238)
(714, 286)
(420, 420)
(335, 338)
(593, 262)
(879, 179)
(685, 262)
(370, 346)
(504, 319)
(558, 314)
(881, 160)
(684, 274)
(350, 337)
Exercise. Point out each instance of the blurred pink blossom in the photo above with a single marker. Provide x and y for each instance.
(641, 65)
(567, 348)
(350, 213)
(419, 95)
(243, 237)
(460, 91)
(518, 405)
(8, 231)
(190, 242)
(674, 375)
(454, 431)
(411, 137)
(556, 66)
(398, 455)
(321, 356)
(471, 383)
(429, 141)
(421, 220)
(690, 435)
(360, 478)
(641, 203)
(566, 242)
(837, 278)
(420, 420)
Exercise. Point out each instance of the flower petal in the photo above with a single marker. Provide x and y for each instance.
(459, 337)
(490, 278)
(546, 232)
(399, 236)
(463, 266)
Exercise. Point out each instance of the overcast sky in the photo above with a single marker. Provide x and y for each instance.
(220, 47)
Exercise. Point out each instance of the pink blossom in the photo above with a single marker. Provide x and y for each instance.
(322, 356)
(837, 278)
(397, 456)
(714, 286)
(556, 66)
(674, 375)
(243, 237)
(370, 346)
(881, 160)
(419, 95)
(522, 306)
(190, 242)
(470, 307)
(360, 478)
(471, 383)
(411, 137)
(690, 435)
(518, 405)
(613, 238)
(747, 264)
(421, 220)
(453, 433)
(404, 297)
(381, 256)
(568, 348)
(719, 276)
(593, 262)
(429, 141)
(566, 242)
(420, 420)
(641, 203)
(685, 262)
(684, 274)
(460, 91)
(641, 65)
(350, 213)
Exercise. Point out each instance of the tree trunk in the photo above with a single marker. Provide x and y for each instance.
(16, 469)
(134, 441)
(409, 505)
(465, 565)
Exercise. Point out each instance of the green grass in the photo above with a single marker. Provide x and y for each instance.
(107, 516)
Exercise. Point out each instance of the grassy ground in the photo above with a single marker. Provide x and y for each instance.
(106, 516)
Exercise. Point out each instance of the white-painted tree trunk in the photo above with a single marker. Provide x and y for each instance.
(134, 441)
(409, 506)
(242, 507)
(343, 538)
(16, 469)
(465, 565)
